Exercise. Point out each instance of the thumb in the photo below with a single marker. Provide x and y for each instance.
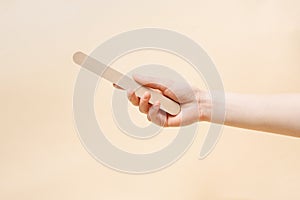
(162, 84)
(152, 82)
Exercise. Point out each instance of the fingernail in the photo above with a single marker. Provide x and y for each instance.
(157, 105)
(146, 95)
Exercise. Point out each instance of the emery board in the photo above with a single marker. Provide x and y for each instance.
(114, 76)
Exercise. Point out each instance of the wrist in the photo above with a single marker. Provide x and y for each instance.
(204, 105)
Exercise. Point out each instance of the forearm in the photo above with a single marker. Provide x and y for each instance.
(270, 113)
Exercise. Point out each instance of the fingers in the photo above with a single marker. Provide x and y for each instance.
(164, 85)
(154, 114)
(133, 98)
(144, 103)
(152, 82)
(157, 116)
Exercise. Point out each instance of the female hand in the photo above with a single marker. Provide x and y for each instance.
(193, 102)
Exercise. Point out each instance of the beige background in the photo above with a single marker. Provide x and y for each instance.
(255, 45)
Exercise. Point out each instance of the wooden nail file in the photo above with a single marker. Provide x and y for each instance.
(112, 75)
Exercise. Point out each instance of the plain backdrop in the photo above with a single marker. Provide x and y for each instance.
(254, 44)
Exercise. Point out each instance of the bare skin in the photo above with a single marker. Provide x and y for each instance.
(278, 113)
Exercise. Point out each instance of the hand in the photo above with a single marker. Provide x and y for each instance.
(193, 102)
(277, 113)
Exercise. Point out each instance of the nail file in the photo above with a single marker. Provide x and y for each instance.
(114, 76)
